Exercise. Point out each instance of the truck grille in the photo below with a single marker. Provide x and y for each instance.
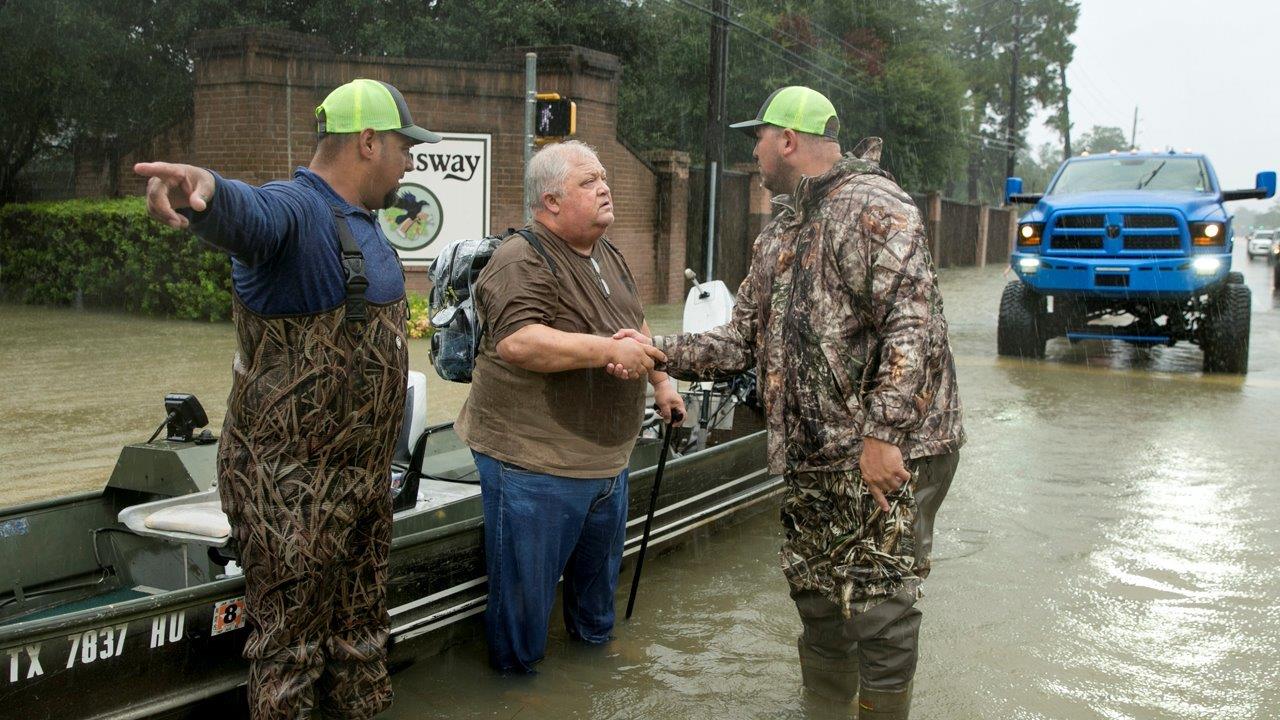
(1130, 232)
(1077, 242)
(1152, 242)
(1080, 222)
(1150, 221)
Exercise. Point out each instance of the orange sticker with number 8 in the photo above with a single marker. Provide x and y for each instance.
(228, 615)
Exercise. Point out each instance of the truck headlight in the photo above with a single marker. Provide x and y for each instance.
(1029, 265)
(1206, 265)
(1208, 233)
(1030, 233)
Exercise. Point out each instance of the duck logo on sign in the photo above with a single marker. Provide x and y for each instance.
(413, 222)
(443, 196)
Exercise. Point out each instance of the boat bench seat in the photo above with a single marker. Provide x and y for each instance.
(198, 517)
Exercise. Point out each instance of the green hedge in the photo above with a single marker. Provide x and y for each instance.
(111, 254)
(114, 255)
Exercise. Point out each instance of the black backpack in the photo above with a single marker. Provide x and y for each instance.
(456, 339)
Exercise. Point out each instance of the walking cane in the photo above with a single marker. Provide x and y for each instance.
(653, 505)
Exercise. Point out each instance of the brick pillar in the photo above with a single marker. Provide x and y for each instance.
(254, 106)
(670, 223)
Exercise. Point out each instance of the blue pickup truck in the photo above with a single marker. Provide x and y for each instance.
(1134, 246)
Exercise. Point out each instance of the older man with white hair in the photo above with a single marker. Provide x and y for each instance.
(551, 429)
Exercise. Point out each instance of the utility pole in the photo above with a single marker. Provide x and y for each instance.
(1133, 136)
(1066, 112)
(717, 73)
(1015, 87)
(530, 107)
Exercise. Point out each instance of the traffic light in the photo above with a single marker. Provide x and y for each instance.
(556, 117)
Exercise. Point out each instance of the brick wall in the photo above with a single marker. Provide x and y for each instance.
(256, 92)
(97, 174)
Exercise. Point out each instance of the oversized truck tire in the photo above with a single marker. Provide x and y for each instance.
(1022, 315)
(1226, 342)
(1275, 276)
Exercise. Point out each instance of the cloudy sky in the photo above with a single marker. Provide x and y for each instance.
(1202, 73)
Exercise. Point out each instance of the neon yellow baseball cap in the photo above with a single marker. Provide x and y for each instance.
(797, 107)
(364, 103)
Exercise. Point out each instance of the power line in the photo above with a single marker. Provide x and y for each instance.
(799, 62)
(983, 6)
(1096, 91)
(986, 140)
(785, 54)
(813, 68)
(814, 48)
(831, 35)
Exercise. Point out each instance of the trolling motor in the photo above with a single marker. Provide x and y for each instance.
(184, 415)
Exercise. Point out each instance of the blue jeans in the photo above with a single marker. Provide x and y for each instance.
(537, 527)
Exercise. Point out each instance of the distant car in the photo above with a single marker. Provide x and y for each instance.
(1262, 243)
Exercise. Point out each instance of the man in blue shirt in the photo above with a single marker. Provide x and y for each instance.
(316, 399)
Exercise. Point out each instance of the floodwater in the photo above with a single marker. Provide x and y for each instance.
(1109, 548)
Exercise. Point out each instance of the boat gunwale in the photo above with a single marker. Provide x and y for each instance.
(53, 502)
(140, 608)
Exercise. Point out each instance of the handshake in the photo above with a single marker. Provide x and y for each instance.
(632, 356)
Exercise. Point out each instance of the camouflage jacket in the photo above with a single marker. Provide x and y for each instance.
(841, 315)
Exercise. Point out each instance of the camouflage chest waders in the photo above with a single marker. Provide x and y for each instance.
(303, 472)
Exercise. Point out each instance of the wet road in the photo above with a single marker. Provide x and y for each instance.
(1109, 549)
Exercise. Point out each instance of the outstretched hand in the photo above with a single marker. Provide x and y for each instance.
(630, 359)
(634, 335)
(171, 187)
(619, 370)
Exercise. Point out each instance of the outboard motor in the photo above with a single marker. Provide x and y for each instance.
(406, 462)
(710, 305)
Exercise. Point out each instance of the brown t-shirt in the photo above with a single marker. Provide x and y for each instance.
(577, 423)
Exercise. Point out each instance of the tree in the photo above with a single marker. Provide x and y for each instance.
(883, 64)
(104, 77)
(81, 72)
(1103, 139)
(988, 38)
(113, 75)
(1036, 170)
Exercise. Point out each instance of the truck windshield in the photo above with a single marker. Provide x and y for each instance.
(1132, 173)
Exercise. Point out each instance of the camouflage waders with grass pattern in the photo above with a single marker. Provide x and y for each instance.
(303, 472)
(841, 316)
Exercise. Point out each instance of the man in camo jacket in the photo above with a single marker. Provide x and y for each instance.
(841, 314)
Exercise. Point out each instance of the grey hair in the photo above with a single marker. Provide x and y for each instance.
(549, 170)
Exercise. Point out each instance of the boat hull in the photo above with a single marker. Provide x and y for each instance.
(137, 655)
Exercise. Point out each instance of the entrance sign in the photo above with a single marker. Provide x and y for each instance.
(445, 197)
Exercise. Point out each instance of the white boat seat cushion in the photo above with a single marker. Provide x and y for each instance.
(205, 519)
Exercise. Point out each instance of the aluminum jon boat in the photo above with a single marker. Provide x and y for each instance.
(127, 602)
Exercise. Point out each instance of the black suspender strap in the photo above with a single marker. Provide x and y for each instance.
(353, 266)
(537, 245)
